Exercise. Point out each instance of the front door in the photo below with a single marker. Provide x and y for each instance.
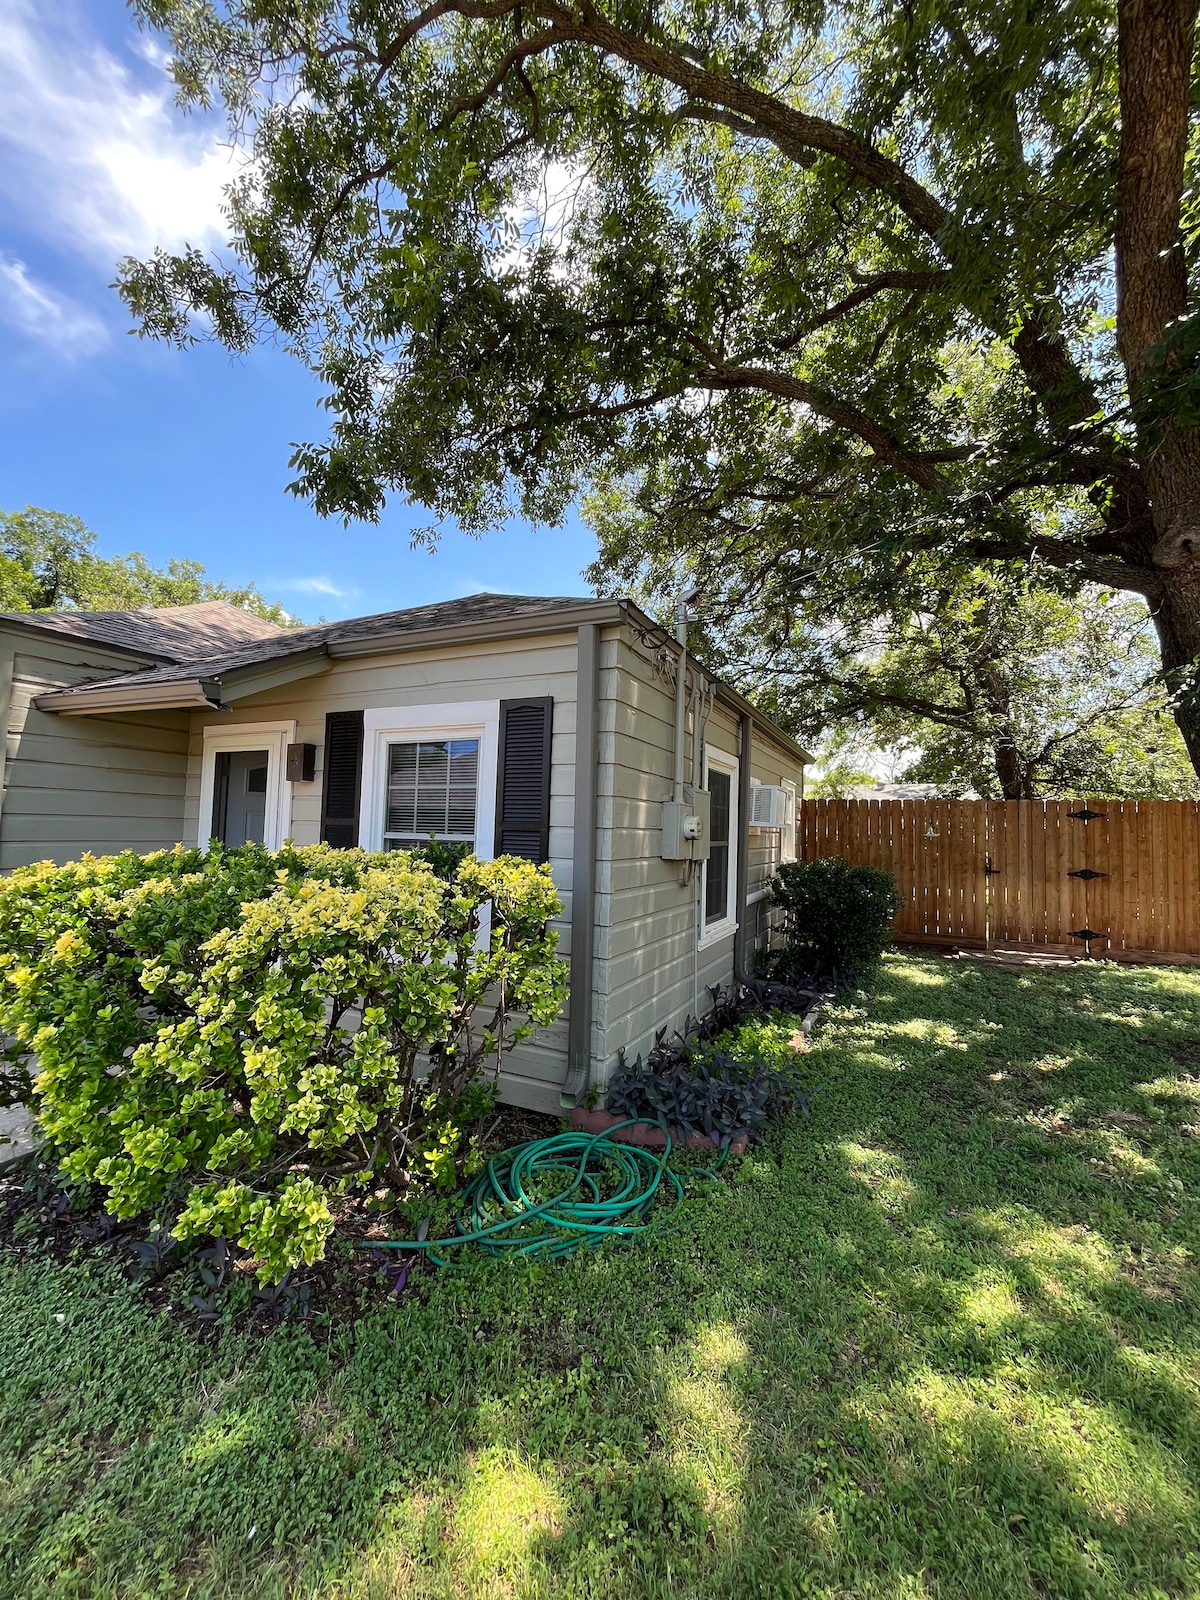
(240, 797)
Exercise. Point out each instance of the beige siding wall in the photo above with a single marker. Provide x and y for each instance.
(771, 765)
(655, 968)
(108, 783)
(500, 671)
(83, 783)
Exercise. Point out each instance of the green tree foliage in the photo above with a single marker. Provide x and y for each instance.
(48, 562)
(241, 1035)
(836, 779)
(1004, 687)
(742, 265)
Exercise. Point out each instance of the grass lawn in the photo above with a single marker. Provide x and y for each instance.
(940, 1339)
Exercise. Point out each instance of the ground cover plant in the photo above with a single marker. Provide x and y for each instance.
(941, 1338)
(235, 1040)
(695, 1085)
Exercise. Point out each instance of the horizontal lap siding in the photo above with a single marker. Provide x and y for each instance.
(774, 767)
(653, 973)
(74, 784)
(511, 670)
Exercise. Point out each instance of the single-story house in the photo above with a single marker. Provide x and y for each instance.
(548, 728)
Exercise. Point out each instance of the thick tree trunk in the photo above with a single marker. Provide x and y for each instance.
(1177, 619)
(1010, 769)
(1156, 39)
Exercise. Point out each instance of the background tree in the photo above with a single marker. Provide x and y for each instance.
(48, 563)
(765, 239)
(1003, 688)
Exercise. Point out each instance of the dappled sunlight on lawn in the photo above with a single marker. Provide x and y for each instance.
(938, 1341)
(882, 1172)
(903, 973)
(706, 1431)
(1049, 1455)
(506, 1508)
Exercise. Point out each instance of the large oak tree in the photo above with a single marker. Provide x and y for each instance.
(1002, 687)
(731, 263)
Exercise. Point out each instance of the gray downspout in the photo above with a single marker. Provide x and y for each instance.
(583, 865)
(7, 658)
(742, 877)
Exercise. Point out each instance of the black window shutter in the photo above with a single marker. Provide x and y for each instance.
(341, 780)
(523, 781)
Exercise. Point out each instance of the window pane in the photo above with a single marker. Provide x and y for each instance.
(432, 791)
(719, 788)
(716, 875)
(716, 884)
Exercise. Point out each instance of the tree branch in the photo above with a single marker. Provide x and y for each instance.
(883, 442)
(1061, 553)
(918, 281)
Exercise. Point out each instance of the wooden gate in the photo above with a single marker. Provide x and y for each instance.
(1108, 876)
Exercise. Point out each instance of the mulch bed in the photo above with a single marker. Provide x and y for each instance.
(202, 1288)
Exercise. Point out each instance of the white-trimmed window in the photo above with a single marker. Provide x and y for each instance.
(430, 772)
(787, 838)
(718, 879)
(244, 794)
(432, 792)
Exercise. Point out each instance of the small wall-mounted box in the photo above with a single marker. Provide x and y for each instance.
(301, 763)
(685, 828)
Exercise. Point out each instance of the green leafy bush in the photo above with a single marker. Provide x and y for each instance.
(837, 919)
(257, 1032)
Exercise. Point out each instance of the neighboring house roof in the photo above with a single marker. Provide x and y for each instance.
(903, 791)
(210, 671)
(169, 632)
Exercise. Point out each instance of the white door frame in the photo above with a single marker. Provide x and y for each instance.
(274, 738)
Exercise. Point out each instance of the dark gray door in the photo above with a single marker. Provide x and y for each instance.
(240, 797)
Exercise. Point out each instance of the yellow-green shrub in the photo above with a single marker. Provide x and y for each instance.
(260, 1030)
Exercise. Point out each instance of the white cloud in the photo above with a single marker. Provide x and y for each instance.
(544, 216)
(95, 160)
(324, 586)
(41, 314)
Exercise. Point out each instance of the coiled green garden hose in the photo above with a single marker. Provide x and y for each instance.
(498, 1211)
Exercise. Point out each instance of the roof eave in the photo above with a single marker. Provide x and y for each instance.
(736, 702)
(186, 695)
(272, 672)
(727, 696)
(561, 621)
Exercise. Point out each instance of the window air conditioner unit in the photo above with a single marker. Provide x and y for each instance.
(768, 806)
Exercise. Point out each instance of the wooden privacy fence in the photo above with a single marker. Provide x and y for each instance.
(1107, 876)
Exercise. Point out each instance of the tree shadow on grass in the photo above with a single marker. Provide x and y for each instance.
(941, 1339)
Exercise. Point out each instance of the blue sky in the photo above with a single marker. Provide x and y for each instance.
(174, 453)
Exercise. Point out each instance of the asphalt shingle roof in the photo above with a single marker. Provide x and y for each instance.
(211, 661)
(213, 640)
(172, 633)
